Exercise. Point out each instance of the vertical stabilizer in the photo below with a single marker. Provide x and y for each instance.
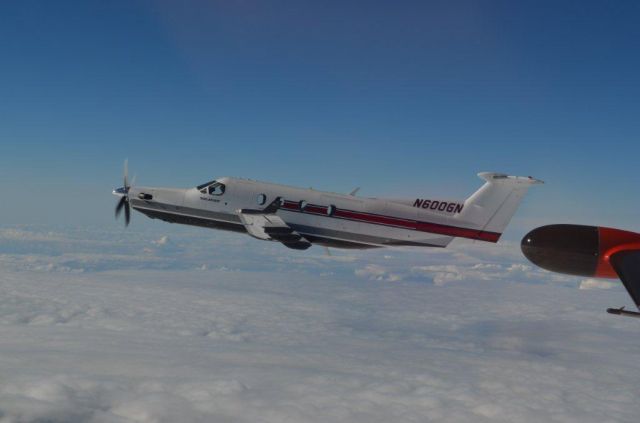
(490, 209)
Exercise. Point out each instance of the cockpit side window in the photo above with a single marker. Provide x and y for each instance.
(216, 189)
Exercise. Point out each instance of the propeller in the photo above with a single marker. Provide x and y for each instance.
(123, 203)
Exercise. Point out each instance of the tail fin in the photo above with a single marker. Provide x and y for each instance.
(490, 209)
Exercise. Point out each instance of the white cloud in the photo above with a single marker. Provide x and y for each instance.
(164, 240)
(377, 273)
(598, 284)
(281, 335)
(443, 273)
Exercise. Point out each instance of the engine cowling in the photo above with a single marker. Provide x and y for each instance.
(577, 249)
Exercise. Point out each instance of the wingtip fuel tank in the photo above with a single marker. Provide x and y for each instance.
(590, 251)
(576, 249)
(571, 249)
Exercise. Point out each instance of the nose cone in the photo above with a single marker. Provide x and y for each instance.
(571, 249)
(122, 191)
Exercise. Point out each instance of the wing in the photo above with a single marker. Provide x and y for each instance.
(626, 263)
(266, 225)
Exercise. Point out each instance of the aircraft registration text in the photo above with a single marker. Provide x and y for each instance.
(444, 206)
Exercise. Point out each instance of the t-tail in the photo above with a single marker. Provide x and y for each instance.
(490, 209)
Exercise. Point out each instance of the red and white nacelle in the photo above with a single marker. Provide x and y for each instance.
(591, 251)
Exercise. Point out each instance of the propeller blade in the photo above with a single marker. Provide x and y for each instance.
(121, 204)
(127, 214)
(126, 173)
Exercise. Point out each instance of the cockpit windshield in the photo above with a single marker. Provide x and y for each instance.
(212, 188)
(206, 184)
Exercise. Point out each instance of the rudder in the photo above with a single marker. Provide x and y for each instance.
(490, 209)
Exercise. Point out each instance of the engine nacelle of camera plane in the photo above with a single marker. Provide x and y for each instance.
(577, 249)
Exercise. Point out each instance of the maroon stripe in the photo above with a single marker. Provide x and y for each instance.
(400, 223)
(289, 205)
(373, 218)
(315, 209)
(458, 232)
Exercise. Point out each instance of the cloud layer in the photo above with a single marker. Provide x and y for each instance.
(195, 328)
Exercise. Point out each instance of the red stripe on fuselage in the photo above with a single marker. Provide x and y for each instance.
(397, 222)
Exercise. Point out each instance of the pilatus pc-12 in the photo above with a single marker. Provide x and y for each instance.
(299, 218)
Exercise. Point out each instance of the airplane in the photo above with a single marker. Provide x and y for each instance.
(590, 251)
(299, 218)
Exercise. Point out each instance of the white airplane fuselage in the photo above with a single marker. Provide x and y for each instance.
(325, 218)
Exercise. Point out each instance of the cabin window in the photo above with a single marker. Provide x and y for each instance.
(262, 199)
(331, 210)
(216, 189)
(302, 205)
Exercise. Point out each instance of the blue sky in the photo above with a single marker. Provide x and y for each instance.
(168, 323)
(402, 98)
